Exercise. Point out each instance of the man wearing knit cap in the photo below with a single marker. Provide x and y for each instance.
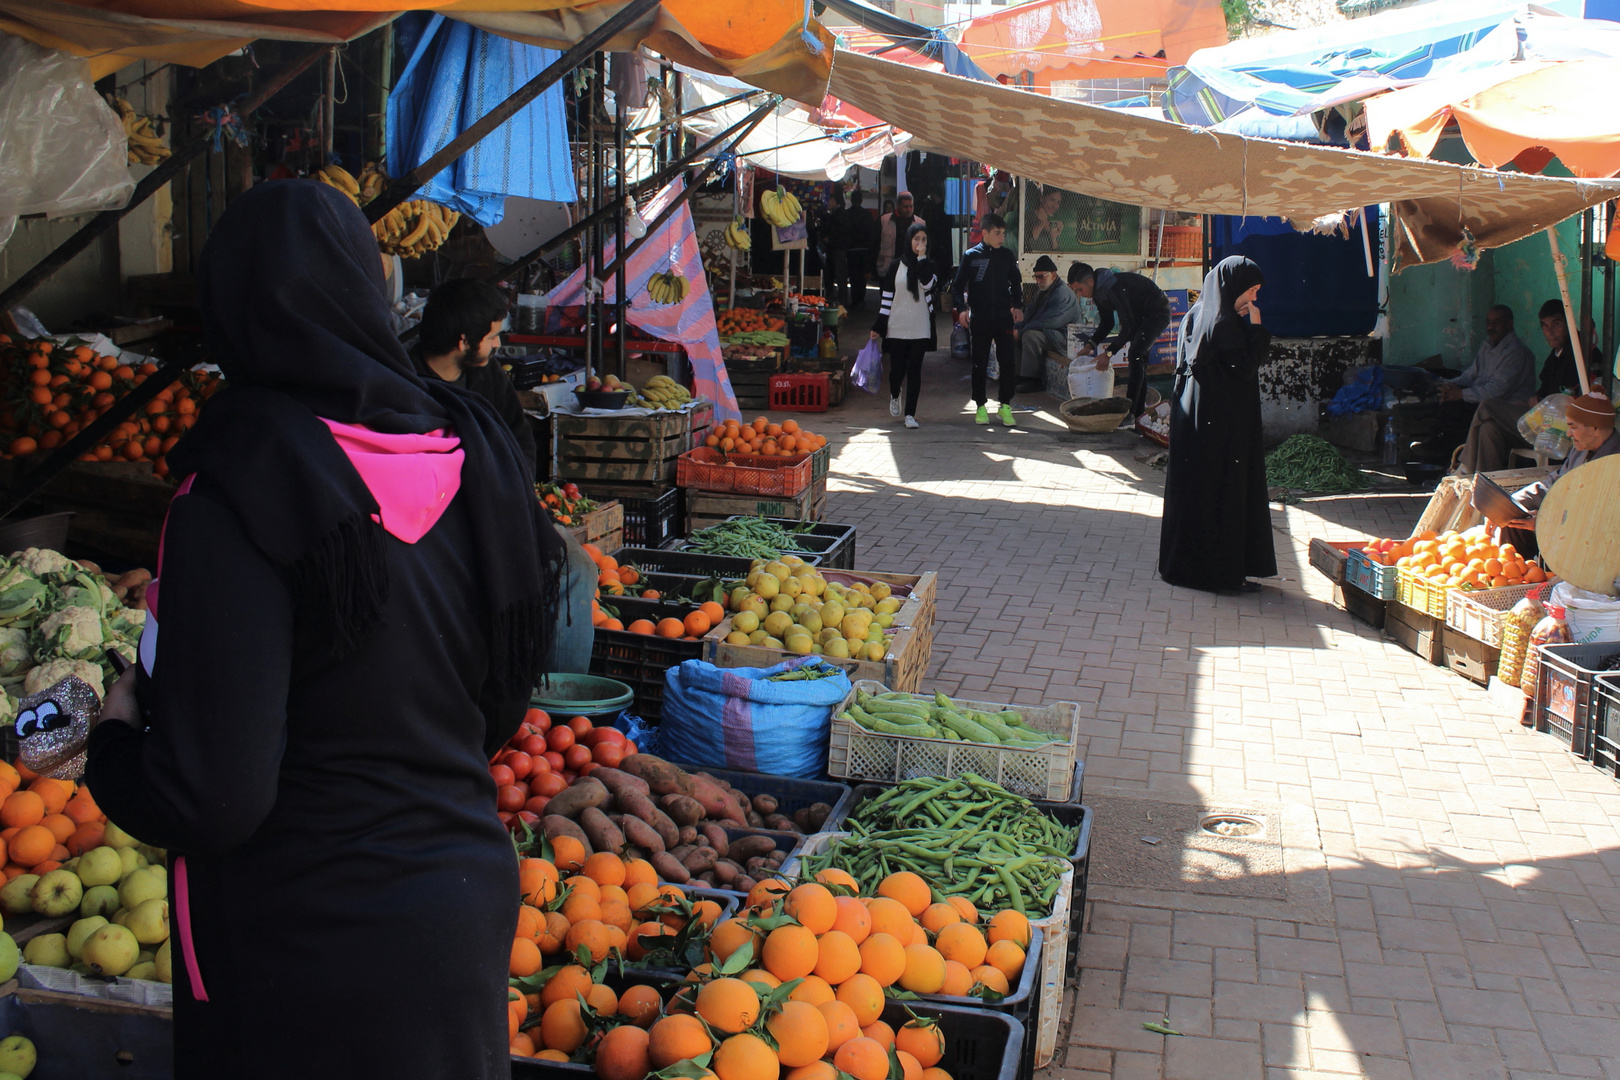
(1591, 429)
(1045, 326)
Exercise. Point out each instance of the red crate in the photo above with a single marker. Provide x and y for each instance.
(748, 474)
(800, 393)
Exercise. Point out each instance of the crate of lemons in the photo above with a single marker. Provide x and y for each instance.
(786, 604)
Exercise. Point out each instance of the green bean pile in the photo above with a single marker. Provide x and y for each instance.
(746, 538)
(1309, 463)
(965, 836)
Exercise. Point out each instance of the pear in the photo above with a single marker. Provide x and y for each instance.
(118, 838)
(16, 898)
(802, 644)
(876, 652)
(783, 602)
(99, 900)
(80, 932)
(165, 968)
(836, 649)
(881, 590)
(112, 950)
(149, 922)
(131, 861)
(47, 950)
(146, 956)
(101, 866)
(767, 587)
(17, 1056)
(144, 970)
(760, 606)
(745, 622)
(10, 956)
(57, 893)
(778, 570)
(143, 885)
(758, 637)
(812, 623)
(736, 638)
(832, 613)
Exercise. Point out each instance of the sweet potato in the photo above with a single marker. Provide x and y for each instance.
(776, 858)
(690, 835)
(619, 782)
(742, 883)
(682, 809)
(747, 847)
(641, 834)
(817, 816)
(725, 870)
(801, 818)
(661, 777)
(716, 836)
(584, 793)
(781, 823)
(683, 851)
(556, 825)
(717, 802)
(764, 805)
(603, 834)
(759, 866)
(755, 821)
(707, 879)
(669, 867)
(700, 860)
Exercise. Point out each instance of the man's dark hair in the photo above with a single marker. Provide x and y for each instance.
(1079, 271)
(1551, 308)
(1507, 312)
(992, 221)
(462, 308)
(905, 195)
(857, 197)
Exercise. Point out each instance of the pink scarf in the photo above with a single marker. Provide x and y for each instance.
(412, 477)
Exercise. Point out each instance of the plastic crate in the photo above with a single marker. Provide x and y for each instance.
(692, 563)
(1420, 594)
(1477, 613)
(820, 462)
(1564, 691)
(867, 788)
(1605, 740)
(94, 1038)
(790, 792)
(840, 553)
(640, 660)
(649, 522)
(1044, 772)
(708, 469)
(1374, 579)
(799, 393)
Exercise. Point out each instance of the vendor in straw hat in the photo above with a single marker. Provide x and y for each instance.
(1592, 430)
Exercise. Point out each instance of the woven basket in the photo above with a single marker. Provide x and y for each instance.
(1093, 414)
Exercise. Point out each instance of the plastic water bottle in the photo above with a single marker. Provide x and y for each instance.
(1392, 452)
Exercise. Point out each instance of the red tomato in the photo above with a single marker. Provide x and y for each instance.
(588, 768)
(506, 818)
(533, 744)
(629, 748)
(570, 776)
(577, 757)
(608, 753)
(538, 765)
(560, 738)
(538, 719)
(553, 759)
(528, 817)
(502, 774)
(523, 732)
(598, 736)
(510, 798)
(520, 764)
(579, 725)
(521, 786)
(536, 805)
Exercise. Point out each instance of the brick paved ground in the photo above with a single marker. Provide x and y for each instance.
(1452, 910)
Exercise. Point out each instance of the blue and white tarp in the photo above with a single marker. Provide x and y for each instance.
(455, 75)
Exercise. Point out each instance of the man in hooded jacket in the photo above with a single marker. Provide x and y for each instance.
(1142, 310)
(1045, 328)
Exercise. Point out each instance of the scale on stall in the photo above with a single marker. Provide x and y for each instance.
(1578, 526)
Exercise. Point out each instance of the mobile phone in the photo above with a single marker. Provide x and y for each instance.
(116, 659)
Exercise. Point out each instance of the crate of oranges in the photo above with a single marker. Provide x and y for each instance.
(1429, 565)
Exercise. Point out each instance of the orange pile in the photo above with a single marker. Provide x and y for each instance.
(763, 437)
(747, 321)
(1466, 560)
(618, 580)
(45, 823)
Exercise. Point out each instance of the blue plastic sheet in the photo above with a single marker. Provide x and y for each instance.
(1315, 285)
(455, 75)
(736, 718)
(1363, 393)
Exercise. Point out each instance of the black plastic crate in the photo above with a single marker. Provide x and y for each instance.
(640, 660)
(1069, 814)
(790, 792)
(1564, 691)
(93, 1040)
(691, 563)
(648, 522)
(835, 543)
(1605, 740)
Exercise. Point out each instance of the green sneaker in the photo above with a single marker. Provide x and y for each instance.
(982, 416)
(1007, 417)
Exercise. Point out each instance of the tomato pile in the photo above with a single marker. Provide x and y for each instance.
(564, 502)
(544, 757)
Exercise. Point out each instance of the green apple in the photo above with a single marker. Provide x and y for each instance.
(118, 838)
(144, 970)
(149, 921)
(57, 893)
(99, 900)
(10, 957)
(80, 932)
(165, 966)
(142, 885)
(101, 866)
(16, 898)
(17, 1056)
(47, 950)
(112, 950)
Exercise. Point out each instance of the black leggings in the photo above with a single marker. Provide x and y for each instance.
(905, 366)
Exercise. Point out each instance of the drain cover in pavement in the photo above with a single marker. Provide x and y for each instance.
(1219, 851)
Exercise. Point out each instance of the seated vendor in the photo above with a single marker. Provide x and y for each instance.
(1591, 429)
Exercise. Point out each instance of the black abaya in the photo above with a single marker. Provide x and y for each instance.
(1216, 528)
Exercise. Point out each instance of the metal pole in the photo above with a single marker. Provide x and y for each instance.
(1559, 263)
(696, 112)
(619, 192)
(402, 188)
(329, 108)
(154, 181)
(1158, 252)
(1366, 243)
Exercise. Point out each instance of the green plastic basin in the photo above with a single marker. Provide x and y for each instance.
(581, 695)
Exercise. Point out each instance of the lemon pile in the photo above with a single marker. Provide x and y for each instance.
(787, 604)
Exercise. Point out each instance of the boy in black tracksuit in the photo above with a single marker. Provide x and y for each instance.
(987, 297)
(1143, 311)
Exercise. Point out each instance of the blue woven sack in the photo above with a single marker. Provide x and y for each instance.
(736, 718)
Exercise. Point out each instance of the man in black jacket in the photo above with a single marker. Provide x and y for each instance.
(1143, 312)
(460, 330)
(987, 296)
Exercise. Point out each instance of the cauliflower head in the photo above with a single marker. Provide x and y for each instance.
(42, 561)
(15, 651)
(52, 672)
(73, 632)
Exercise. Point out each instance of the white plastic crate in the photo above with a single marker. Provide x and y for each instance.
(1478, 613)
(1043, 772)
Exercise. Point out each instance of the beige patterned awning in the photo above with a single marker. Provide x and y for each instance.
(1155, 163)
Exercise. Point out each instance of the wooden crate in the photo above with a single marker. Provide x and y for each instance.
(921, 601)
(1473, 660)
(603, 527)
(1328, 556)
(902, 669)
(1451, 507)
(1367, 609)
(621, 449)
(1415, 631)
(119, 507)
(706, 508)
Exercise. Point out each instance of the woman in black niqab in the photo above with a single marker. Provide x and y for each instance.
(1216, 529)
(355, 592)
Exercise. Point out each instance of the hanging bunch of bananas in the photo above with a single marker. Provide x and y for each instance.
(373, 182)
(663, 392)
(780, 207)
(414, 228)
(668, 288)
(338, 177)
(737, 238)
(145, 148)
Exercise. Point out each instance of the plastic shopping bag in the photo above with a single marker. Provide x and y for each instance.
(1085, 381)
(869, 367)
(1545, 427)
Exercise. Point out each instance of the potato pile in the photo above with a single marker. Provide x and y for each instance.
(650, 809)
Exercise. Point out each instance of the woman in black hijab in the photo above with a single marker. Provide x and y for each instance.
(1216, 530)
(906, 320)
(354, 592)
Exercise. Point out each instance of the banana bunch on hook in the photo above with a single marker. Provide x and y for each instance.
(736, 236)
(145, 148)
(337, 176)
(780, 207)
(414, 228)
(668, 288)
